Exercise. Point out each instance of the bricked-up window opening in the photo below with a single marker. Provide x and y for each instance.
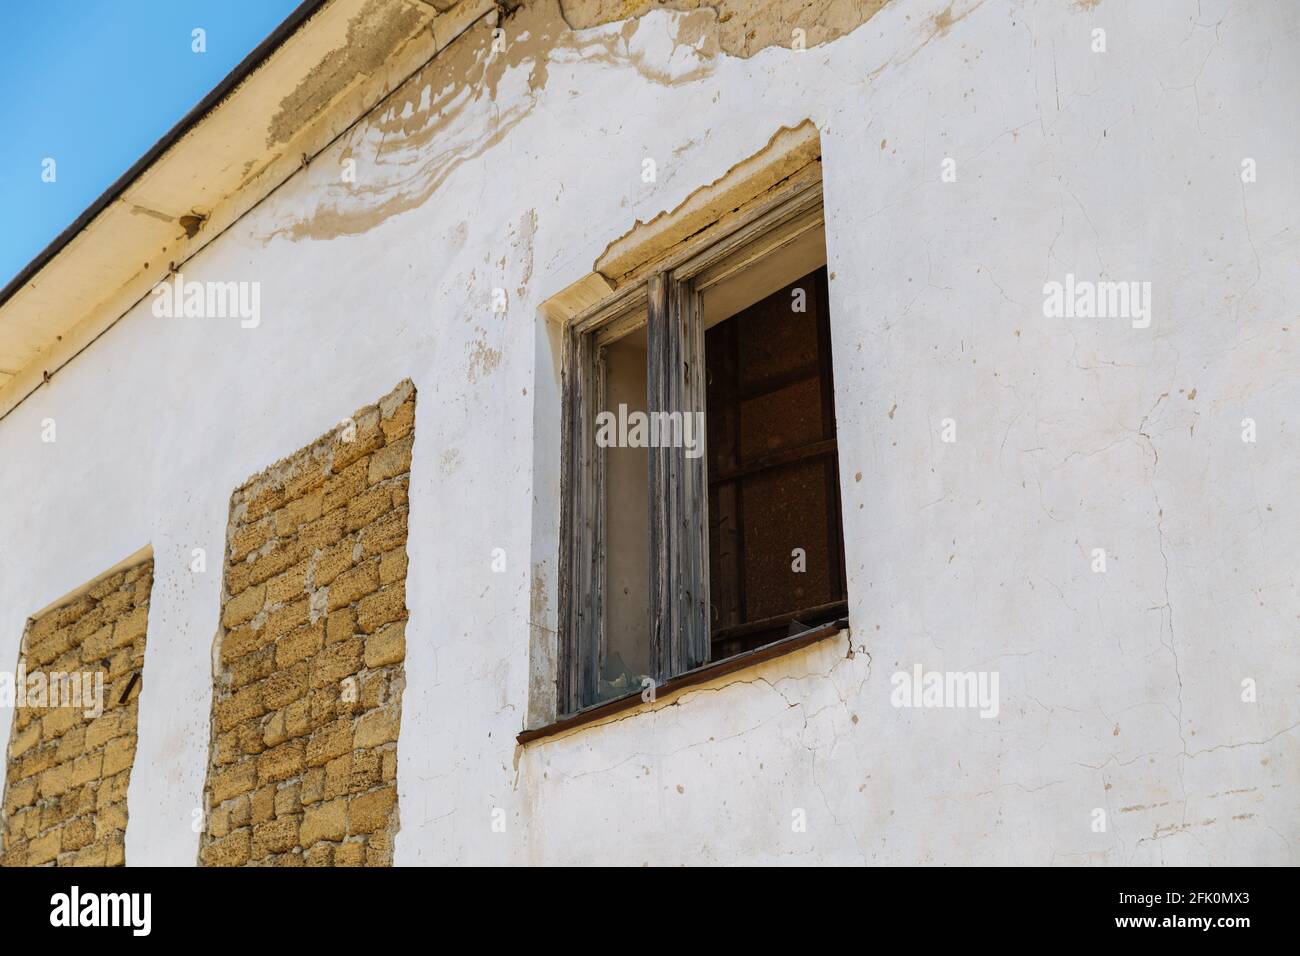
(310, 669)
(776, 550)
(728, 507)
(74, 730)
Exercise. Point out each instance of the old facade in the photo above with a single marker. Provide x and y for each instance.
(314, 480)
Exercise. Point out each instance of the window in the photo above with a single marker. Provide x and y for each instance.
(700, 489)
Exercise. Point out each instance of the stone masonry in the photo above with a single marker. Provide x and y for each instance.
(68, 770)
(309, 672)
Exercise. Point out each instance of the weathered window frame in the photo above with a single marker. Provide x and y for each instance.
(667, 296)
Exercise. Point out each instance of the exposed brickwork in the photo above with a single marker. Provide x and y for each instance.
(307, 696)
(68, 770)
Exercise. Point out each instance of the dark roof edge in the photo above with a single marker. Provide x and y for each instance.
(261, 53)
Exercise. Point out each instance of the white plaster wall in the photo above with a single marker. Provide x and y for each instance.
(1119, 690)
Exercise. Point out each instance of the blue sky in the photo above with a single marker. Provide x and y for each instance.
(93, 84)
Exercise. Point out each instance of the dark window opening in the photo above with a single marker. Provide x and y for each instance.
(776, 548)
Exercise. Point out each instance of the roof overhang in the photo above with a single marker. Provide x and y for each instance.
(328, 64)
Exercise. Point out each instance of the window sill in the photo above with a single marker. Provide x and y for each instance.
(699, 675)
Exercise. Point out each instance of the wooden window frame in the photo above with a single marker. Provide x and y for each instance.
(666, 297)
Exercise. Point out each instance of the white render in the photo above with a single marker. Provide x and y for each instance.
(1119, 690)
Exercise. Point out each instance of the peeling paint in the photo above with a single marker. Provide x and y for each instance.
(743, 27)
(483, 360)
(788, 151)
(522, 243)
(372, 33)
(429, 127)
